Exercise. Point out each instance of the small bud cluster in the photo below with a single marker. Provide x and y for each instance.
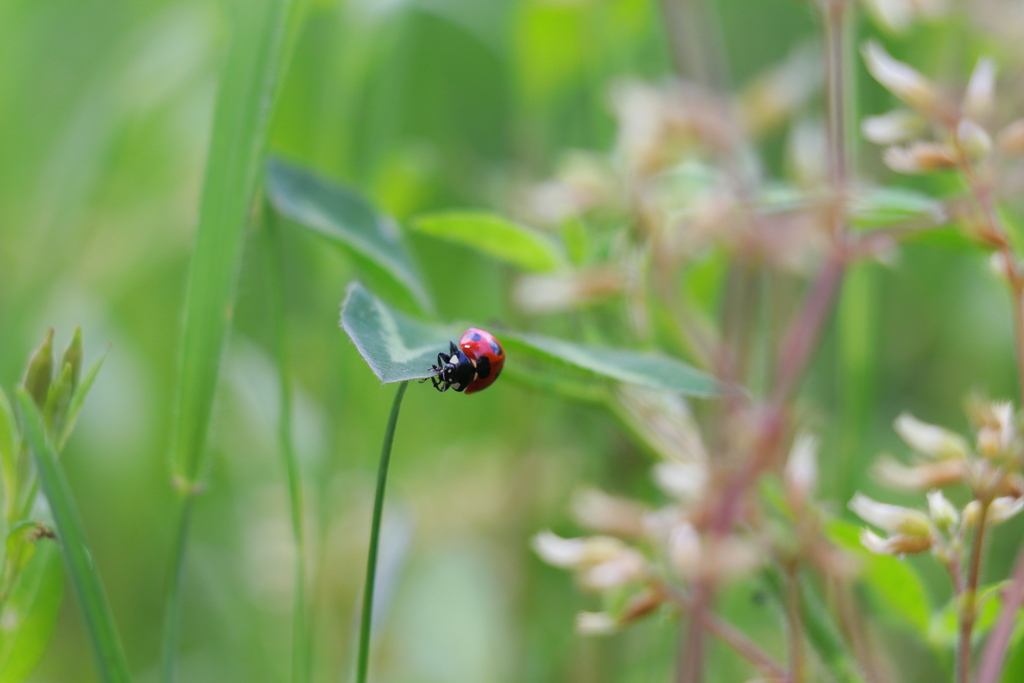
(992, 470)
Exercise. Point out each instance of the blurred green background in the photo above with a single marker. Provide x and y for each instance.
(105, 112)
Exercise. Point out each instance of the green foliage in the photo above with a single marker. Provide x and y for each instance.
(897, 587)
(109, 654)
(396, 347)
(33, 607)
(255, 63)
(347, 220)
(495, 236)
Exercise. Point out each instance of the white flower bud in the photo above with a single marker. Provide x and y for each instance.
(801, 475)
(980, 94)
(1002, 509)
(896, 15)
(999, 265)
(920, 477)
(929, 440)
(997, 429)
(684, 549)
(972, 512)
(897, 545)
(942, 511)
(973, 138)
(595, 624)
(893, 519)
(574, 553)
(900, 79)
(608, 514)
(920, 157)
(898, 125)
(684, 481)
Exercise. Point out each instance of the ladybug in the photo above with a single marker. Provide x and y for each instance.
(471, 366)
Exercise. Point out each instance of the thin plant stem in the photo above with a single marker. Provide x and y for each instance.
(365, 624)
(278, 297)
(796, 632)
(968, 600)
(994, 656)
(730, 635)
(176, 577)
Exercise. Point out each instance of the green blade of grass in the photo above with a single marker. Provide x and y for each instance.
(256, 60)
(107, 647)
(365, 623)
(278, 310)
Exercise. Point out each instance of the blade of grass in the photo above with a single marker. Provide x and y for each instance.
(279, 321)
(371, 557)
(106, 644)
(256, 59)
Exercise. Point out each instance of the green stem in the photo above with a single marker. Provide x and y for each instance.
(371, 558)
(172, 608)
(278, 296)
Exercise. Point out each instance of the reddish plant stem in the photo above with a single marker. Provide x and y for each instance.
(968, 600)
(994, 656)
(731, 636)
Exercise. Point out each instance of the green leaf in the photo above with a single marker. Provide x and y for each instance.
(395, 346)
(110, 659)
(78, 399)
(30, 614)
(248, 83)
(944, 629)
(877, 207)
(651, 370)
(9, 448)
(894, 582)
(495, 236)
(346, 219)
(262, 37)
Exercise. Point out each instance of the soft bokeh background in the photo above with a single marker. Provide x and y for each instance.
(105, 110)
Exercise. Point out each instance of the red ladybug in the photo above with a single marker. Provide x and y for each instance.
(471, 366)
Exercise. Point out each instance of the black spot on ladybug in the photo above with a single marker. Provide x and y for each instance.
(496, 347)
(483, 367)
(475, 336)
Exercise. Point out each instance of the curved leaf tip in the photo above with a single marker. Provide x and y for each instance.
(395, 346)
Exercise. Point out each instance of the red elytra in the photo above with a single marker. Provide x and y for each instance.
(478, 344)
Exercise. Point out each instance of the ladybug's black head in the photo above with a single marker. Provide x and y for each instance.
(454, 371)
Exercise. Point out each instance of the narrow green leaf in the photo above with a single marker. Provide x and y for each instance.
(495, 236)
(29, 616)
(262, 35)
(897, 586)
(346, 219)
(248, 84)
(395, 346)
(878, 207)
(110, 659)
(78, 399)
(9, 448)
(651, 370)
